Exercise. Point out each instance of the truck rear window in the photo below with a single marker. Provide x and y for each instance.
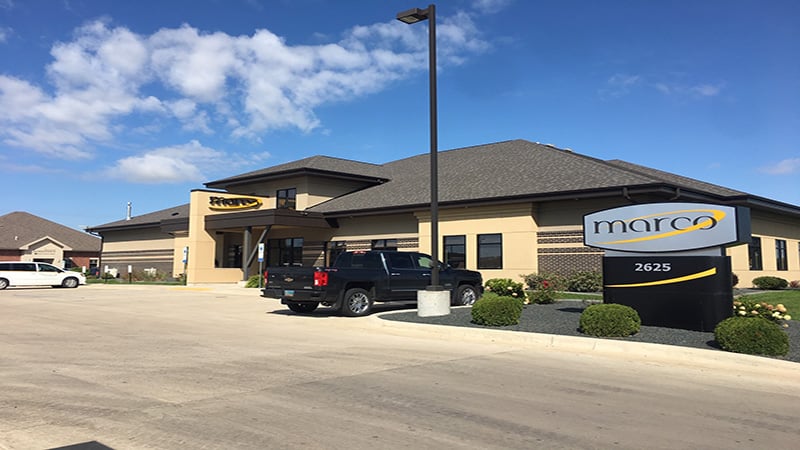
(367, 260)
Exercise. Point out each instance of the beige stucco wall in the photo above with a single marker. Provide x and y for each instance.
(203, 245)
(768, 227)
(310, 191)
(515, 222)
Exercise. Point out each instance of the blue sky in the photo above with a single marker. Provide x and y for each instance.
(106, 102)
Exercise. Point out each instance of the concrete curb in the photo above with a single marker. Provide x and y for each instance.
(640, 351)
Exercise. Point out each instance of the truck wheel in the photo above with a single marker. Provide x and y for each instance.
(357, 302)
(303, 308)
(465, 295)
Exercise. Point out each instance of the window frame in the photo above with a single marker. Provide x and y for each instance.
(484, 247)
(754, 254)
(449, 250)
(289, 251)
(286, 198)
(384, 244)
(781, 255)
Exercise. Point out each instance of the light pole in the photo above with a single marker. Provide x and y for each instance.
(413, 16)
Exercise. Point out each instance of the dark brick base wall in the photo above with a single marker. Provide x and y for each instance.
(567, 264)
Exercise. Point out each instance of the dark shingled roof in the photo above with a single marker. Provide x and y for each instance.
(319, 164)
(18, 229)
(146, 220)
(677, 180)
(507, 169)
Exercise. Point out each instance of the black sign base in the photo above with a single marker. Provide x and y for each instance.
(687, 292)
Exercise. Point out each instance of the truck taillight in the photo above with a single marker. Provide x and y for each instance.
(320, 279)
(266, 275)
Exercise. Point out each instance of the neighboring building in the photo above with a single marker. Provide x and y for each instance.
(25, 237)
(506, 209)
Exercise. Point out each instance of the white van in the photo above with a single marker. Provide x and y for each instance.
(24, 273)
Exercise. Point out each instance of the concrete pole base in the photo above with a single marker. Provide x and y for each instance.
(433, 303)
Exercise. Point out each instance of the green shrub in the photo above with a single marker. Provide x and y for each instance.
(610, 320)
(496, 311)
(586, 281)
(753, 336)
(534, 281)
(505, 287)
(544, 295)
(770, 283)
(253, 281)
(734, 279)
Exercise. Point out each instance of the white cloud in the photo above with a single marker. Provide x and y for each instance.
(209, 82)
(490, 6)
(706, 90)
(619, 84)
(786, 167)
(4, 34)
(167, 164)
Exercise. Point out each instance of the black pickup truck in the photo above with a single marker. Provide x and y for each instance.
(357, 279)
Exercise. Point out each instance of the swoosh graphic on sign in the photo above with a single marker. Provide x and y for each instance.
(718, 216)
(694, 276)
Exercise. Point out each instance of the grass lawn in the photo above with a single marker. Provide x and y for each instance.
(789, 297)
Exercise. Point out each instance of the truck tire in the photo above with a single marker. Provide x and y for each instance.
(303, 308)
(465, 295)
(356, 302)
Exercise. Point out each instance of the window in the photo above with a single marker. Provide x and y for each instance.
(400, 260)
(754, 248)
(384, 244)
(47, 268)
(367, 260)
(286, 198)
(490, 251)
(780, 254)
(455, 251)
(335, 248)
(285, 252)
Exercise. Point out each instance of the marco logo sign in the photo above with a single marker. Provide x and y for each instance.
(666, 227)
(228, 203)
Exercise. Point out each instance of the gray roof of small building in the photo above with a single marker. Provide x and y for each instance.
(146, 220)
(19, 228)
(319, 164)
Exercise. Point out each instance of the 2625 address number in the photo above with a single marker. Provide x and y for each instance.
(652, 267)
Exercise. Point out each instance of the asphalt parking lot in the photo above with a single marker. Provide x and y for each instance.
(154, 367)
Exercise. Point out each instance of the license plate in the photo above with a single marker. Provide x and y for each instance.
(288, 293)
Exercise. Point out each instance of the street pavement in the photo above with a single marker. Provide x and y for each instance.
(218, 367)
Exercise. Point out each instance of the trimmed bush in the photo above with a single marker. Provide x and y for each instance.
(752, 336)
(253, 281)
(534, 281)
(734, 279)
(542, 296)
(772, 283)
(610, 320)
(588, 281)
(505, 287)
(496, 311)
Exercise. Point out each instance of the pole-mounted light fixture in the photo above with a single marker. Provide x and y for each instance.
(413, 16)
